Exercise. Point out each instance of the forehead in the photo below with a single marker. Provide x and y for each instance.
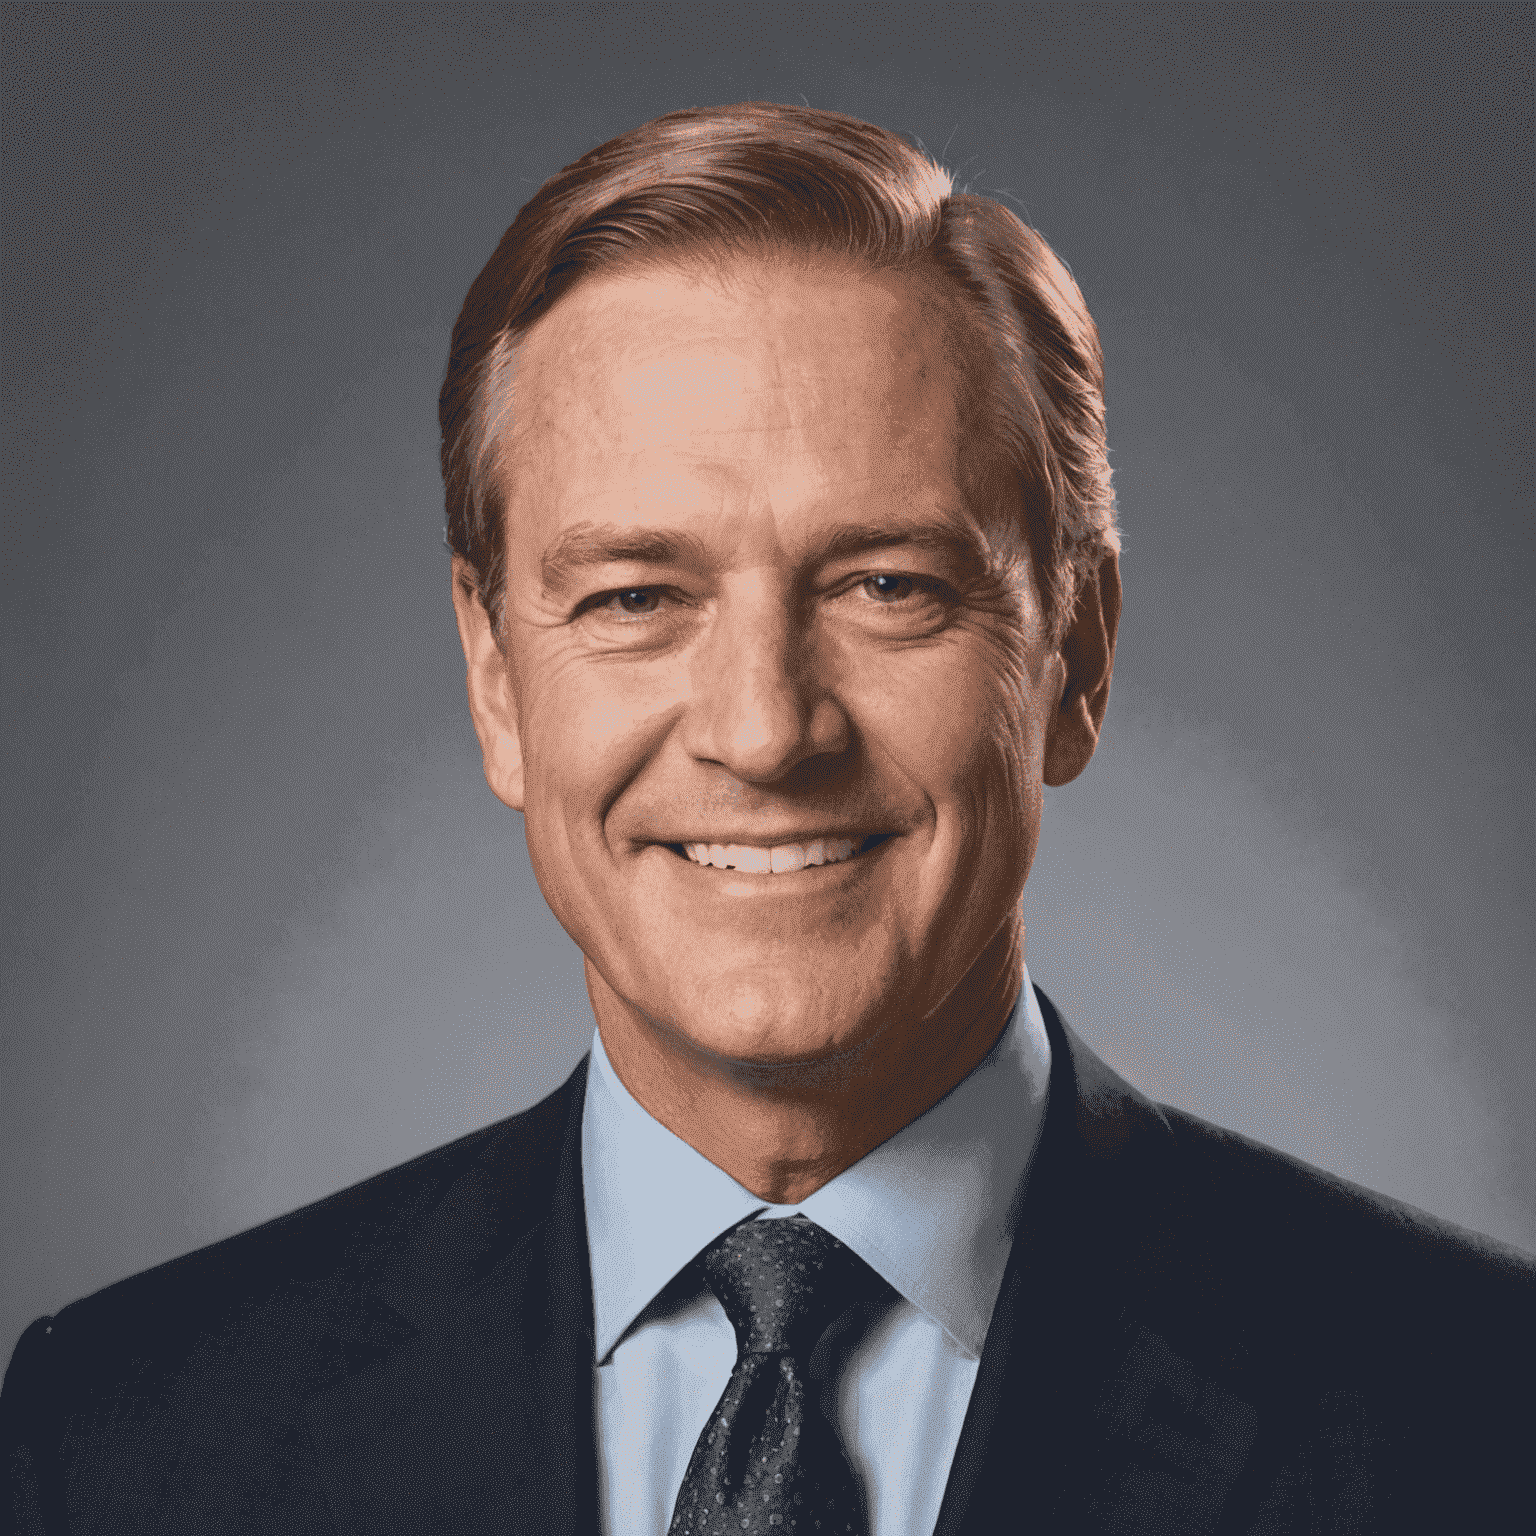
(785, 390)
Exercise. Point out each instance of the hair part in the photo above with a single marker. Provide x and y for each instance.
(711, 187)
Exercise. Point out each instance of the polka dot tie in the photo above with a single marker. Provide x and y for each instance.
(768, 1461)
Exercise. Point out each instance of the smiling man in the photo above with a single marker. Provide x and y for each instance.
(776, 691)
(786, 570)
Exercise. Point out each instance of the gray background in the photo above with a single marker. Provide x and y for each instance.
(266, 930)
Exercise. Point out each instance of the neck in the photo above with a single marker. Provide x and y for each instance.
(783, 1133)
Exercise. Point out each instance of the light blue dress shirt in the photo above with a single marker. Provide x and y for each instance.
(933, 1210)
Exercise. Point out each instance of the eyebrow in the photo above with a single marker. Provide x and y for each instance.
(951, 537)
(593, 544)
(588, 545)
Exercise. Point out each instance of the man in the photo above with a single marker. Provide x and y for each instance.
(786, 570)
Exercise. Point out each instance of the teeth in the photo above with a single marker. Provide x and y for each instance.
(784, 859)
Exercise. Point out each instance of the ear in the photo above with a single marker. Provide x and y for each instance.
(492, 703)
(1088, 657)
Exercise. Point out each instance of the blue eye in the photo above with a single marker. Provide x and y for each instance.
(888, 588)
(637, 600)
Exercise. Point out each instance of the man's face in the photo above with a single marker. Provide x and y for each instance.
(758, 602)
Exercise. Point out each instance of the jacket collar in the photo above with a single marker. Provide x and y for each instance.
(1082, 1411)
(480, 1420)
(1057, 1331)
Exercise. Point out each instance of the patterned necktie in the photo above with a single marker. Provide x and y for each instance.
(767, 1460)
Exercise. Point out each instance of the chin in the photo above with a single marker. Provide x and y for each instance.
(761, 1022)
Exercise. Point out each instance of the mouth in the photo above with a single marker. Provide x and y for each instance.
(780, 859)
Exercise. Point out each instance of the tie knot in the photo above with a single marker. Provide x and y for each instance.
(781, 1282)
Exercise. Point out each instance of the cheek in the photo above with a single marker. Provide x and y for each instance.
(997, 788)
(579, 751)
(586, 731)
(962, 724)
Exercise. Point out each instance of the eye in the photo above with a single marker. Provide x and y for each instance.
(632, 602)
(888, 588)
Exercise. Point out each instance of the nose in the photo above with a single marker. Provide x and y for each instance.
(759, 707)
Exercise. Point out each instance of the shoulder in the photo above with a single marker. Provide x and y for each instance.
(1235, 1223)
(350, 1241)
(1220, 1222)
(1384, 1350)
(250, 1325)
(1309, 1342)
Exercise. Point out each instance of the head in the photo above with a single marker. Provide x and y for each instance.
(779, 502)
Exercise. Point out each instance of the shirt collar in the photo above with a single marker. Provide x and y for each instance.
(932, 1210)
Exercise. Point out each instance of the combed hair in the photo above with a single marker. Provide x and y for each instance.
(716, 182)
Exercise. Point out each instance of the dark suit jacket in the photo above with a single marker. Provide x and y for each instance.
(1194, 1334)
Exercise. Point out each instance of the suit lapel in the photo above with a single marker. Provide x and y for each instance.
(1058, 1329)
(482, 1420)
(1083, 1418)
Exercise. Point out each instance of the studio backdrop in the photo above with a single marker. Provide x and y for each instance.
(267, 931)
